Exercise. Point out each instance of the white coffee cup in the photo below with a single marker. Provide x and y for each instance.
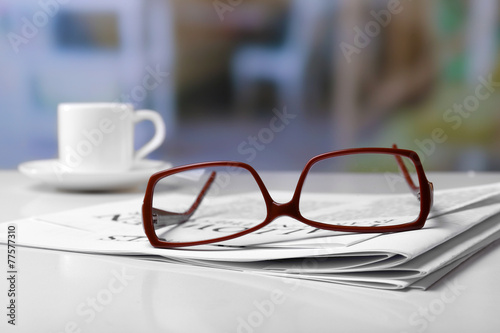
(99, 137)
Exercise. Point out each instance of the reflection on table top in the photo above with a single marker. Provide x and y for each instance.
(71, 292)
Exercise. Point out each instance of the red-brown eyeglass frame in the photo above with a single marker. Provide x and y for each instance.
(151, 215)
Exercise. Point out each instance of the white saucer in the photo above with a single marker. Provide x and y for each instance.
(49, 172)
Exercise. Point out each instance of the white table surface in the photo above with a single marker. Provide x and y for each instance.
(72, 292)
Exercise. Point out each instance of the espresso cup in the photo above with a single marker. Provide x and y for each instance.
(99, 137)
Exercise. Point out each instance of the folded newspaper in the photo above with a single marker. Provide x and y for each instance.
(460, 225)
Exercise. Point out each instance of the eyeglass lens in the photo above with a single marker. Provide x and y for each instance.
(365, 190)
(201, 204)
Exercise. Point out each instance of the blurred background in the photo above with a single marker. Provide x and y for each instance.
(268, 82)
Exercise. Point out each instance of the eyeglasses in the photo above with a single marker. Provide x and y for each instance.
(353, 190)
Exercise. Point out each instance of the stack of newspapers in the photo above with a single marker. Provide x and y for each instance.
(462, 222)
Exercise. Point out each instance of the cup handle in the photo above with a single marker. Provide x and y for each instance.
(160, 132)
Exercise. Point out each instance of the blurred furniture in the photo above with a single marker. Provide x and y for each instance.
(285, 66)
(395, 66)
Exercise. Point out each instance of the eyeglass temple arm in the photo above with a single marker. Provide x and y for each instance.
(162, 218)
(414, 188)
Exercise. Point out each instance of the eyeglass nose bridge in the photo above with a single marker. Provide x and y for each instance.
(277, 209)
